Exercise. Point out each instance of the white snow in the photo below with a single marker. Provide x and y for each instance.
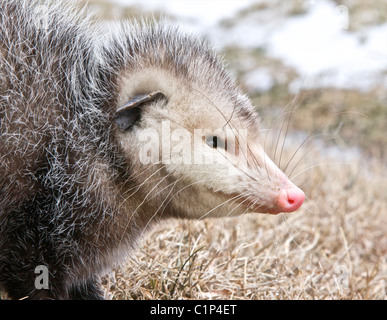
(259, 80)
(197, 15)
(316, 44)
(319, 48)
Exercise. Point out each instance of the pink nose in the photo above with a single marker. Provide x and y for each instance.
(291, 199)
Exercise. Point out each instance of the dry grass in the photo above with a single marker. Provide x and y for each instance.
(334, 247)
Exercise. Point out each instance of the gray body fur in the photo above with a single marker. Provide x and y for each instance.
(58, 94)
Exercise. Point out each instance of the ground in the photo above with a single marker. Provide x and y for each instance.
(335, 246)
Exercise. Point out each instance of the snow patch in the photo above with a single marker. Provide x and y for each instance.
(259, 80)
(316, 44)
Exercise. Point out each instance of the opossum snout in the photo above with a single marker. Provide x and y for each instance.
(283, 195)
(290, 199)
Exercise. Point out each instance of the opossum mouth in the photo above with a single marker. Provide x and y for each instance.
(286, 200)
(251, 204)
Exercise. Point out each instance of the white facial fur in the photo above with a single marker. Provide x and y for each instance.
(232, 184)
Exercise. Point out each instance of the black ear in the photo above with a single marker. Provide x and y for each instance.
(127, 115)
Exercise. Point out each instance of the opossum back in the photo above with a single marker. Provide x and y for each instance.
(41, 56)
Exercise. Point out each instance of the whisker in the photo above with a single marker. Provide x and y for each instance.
(233, 199)
(298, 149)
(299, 161)
(185, 187)
(264, 159)
(145, 181)
(161, 205)
(317, 165)
(252, 203)
(290, 117)
(139, 206)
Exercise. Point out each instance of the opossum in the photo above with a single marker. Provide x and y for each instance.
(105, 131)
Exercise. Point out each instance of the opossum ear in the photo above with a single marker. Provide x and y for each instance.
(127, 115)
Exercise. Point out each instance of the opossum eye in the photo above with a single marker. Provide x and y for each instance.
(215, 142)
(127, 115)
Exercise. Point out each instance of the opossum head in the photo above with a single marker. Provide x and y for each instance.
(192, 138)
